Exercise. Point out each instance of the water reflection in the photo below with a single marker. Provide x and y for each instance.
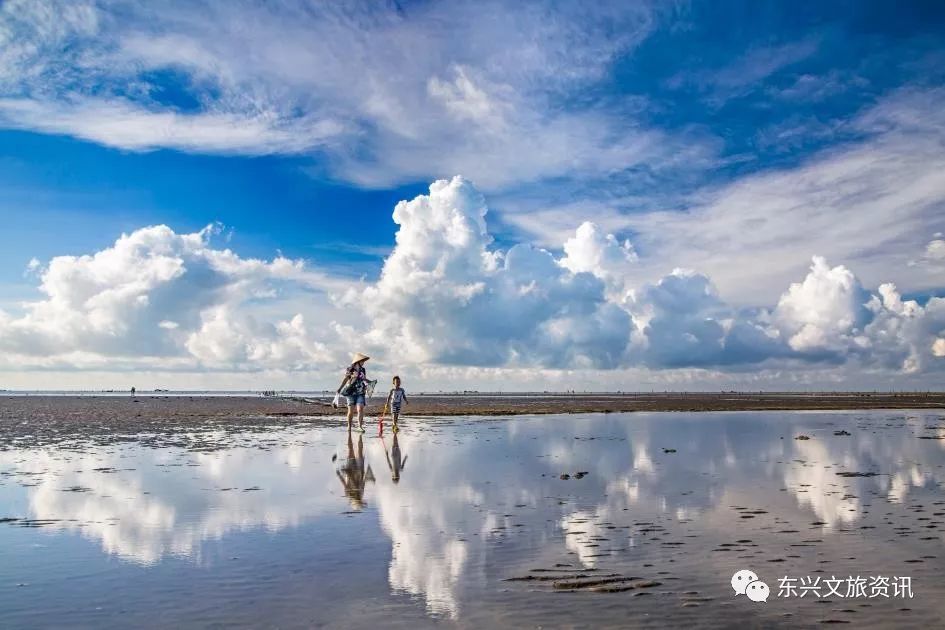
(355, 473)
(144, 504)
(395, 459)
(483, 499)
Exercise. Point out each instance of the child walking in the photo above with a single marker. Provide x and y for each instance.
(395, 399)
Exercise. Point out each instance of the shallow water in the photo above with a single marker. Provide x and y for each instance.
(277, 533)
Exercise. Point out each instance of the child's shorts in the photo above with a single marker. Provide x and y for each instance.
(395, 409)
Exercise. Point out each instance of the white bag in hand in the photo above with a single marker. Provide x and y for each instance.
(337, 401)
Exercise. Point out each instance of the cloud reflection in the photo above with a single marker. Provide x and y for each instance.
(471, 488)
(156, 503)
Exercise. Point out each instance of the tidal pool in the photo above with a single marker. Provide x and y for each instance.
(476, 527)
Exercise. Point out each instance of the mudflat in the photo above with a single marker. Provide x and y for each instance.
(45, 419)
(619, 520)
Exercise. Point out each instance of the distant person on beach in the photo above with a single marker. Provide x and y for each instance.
(394, 460)
(354, 474)
(395, 399)
(354, 388)
(132, 391)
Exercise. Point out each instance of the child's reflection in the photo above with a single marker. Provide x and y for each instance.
(394, 460)
(353, 474)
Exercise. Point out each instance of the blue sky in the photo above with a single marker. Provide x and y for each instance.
(268, 202)
(716, 148)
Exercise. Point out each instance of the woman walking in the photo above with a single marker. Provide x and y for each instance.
(354, 388)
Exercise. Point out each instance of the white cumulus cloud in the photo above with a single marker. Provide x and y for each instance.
(159, 294)
(445, 297)
(593, 250)
(456, 308)
(935, 250)
(822, 311)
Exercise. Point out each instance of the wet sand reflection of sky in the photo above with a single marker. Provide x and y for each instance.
(664, 497)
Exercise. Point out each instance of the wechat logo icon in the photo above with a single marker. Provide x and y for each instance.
(746, 582)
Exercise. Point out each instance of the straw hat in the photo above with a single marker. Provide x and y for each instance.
(359, 356)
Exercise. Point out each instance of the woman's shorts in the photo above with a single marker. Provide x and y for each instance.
(355, 400)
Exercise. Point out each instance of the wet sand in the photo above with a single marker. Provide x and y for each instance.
(37, 419)
(597, 520)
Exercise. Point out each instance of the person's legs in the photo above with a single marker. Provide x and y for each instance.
(361, 414)
(351, 406)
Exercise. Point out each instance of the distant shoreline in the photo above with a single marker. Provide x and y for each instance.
(109, 393)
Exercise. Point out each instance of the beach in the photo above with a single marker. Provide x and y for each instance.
(43, 419)
(223, 512)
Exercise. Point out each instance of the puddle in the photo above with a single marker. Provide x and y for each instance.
(612, 520)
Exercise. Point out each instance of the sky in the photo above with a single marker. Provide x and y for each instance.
(481, 195)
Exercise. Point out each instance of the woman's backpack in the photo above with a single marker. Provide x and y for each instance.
(355, 385)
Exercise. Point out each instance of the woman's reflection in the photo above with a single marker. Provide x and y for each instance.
(394, 460)
(353, 475)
